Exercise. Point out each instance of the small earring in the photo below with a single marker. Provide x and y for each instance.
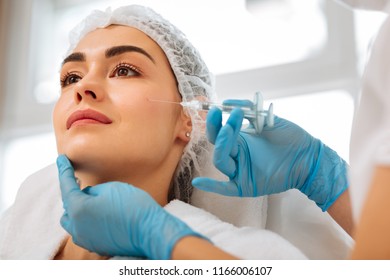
(188, 134)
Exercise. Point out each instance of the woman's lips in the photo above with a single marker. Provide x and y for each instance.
(87, 116)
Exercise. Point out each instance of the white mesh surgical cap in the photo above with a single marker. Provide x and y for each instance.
(192, 75)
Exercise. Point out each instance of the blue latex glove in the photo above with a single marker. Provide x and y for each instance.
(282, 157)
(117, 219)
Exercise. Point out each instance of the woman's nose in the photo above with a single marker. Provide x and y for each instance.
(88, 89)
(85, 94)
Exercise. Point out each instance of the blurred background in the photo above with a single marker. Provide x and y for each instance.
(305, 56)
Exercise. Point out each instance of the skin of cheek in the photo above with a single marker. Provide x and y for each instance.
(148, 131)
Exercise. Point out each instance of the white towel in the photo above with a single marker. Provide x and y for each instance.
(31, 228)
(239, 211)
(243, 242)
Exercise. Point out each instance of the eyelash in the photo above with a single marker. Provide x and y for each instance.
(64, 78)
(128, 66)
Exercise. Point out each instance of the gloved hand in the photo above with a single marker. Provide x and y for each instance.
(117, 219)
(282, 157)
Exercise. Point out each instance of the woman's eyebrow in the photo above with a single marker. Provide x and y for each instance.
(77, 56)
(117, 50)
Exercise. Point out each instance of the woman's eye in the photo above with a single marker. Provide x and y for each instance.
(69, 79)
(125, 70)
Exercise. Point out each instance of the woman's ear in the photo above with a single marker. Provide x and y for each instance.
(186, 126)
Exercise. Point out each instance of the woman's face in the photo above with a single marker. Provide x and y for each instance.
(104, 120)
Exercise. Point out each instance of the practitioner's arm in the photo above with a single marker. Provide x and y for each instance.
(373, 229)
(341, 212)
(195, 248)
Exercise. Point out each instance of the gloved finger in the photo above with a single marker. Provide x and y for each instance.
(68, 182)
(224, 143)
(235, 121)
(278, 123)
(108, 187)
(210, 185)
(238, 103)
(66, 222)
(213, 124)
(89, 190)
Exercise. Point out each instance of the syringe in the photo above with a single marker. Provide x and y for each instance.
(254, 114)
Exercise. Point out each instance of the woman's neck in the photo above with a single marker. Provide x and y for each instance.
(70, 251)
(153, 177)
(157, 184)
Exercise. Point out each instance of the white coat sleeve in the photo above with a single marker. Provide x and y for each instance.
(370, 138)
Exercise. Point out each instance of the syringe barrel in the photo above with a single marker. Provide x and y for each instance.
(249, 113)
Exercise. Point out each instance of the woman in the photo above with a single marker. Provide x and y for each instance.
(130, 155)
